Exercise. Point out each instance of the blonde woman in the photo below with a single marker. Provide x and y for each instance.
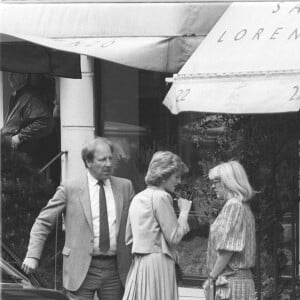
(231, 245)
(153, 229)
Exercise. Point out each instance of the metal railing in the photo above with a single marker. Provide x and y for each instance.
(48, 164)
(44, 168)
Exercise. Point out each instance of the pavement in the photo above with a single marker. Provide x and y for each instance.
(191, 293)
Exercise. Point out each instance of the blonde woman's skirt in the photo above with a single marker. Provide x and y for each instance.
(151, 277)
(242, 289)
(239, 286)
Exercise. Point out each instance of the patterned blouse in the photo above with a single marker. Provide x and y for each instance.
(233, 230)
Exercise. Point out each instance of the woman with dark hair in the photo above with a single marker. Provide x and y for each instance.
(231, 245)
(153, 229)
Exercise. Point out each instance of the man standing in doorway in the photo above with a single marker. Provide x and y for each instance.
(28, 118)
(95, 257)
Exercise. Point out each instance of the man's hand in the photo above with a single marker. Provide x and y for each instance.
(15, 141)
(29, 265)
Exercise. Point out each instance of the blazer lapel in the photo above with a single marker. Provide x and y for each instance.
(118, 201)
(85, 201)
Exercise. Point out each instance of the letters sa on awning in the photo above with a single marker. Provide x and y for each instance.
(248, 63)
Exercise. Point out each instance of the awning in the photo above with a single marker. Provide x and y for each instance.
(24, 57)
(152, 35)
(149, 53)
(248, 63)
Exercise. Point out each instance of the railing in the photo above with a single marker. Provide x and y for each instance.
(56, 157)
(44, 168)
(192, 280)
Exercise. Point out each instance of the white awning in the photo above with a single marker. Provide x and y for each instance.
(248, 63)
(154, 36)
(149, 53)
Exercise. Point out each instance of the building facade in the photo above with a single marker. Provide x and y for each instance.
(123, 68)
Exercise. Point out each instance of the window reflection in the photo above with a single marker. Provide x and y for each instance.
(138, 124)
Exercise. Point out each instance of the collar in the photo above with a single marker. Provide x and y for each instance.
(93, 181)
(154, 187)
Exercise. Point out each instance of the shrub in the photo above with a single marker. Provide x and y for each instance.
(24, 192)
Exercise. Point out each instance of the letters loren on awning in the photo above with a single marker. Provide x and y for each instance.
(248, 63)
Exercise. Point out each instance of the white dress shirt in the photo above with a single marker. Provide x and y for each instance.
(111, 213)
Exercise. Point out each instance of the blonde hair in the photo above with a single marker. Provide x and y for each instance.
(162, 165)
(234, 179)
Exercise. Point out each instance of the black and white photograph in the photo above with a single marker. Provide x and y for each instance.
(150, 150)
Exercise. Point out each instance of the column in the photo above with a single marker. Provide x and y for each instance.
(298, 262)
(1, 101)
(77, 117)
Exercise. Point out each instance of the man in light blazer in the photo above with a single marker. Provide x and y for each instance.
(95, 257)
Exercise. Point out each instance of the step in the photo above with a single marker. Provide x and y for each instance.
(191, 293)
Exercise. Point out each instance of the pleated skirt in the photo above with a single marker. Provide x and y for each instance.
(151, 277)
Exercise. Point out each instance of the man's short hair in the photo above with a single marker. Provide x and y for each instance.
(162, 165)
(88, 151)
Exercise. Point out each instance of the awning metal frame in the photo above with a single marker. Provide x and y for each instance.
(229, 75)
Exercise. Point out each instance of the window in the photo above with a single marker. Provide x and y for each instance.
(131, 114)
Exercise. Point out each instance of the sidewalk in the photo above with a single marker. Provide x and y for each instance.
(191, 294)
